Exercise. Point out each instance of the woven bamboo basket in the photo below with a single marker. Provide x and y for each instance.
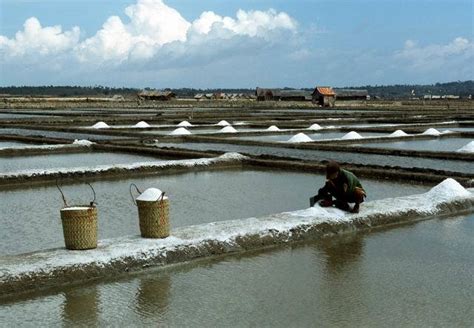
(154, 218)
(79, 227)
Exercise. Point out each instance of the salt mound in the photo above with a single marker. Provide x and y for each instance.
(315, 126)
(446, 191)
(83, 142)
(100, 125)
(179, 132)
(273, 128)
(142, 124)
(432, 132)
(352, 135)
(469, 148)
(223, 123)
(398, 133)
(228, 129)
(300, 137)
(184, 124)
(151, 195)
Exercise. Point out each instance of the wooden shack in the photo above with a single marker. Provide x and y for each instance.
(266, 94)
(324, 96)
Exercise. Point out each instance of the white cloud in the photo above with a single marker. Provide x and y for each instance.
(251, 23)
(459, 51)
(35, 40)
(152, 37)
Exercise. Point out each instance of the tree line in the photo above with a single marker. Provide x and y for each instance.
(399, 91)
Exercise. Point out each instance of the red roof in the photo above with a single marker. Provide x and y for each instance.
(325, 91)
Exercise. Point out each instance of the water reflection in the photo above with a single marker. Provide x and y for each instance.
(152, 298)
(81, 307)
(342, 251)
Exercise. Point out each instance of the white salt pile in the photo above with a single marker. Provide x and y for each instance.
(432, 132)
(446, 191)
(151, 195)
(315, 126)
(223, 123)
(300, 137)
(142, 124)
(273, 128)
(469, 148)
(352, 135)
(184, 124)
(100, 125)
(398, 133)
(83, 142)
(228, 129)
(179, 132)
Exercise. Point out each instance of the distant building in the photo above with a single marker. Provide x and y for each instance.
(156, 95)
(351, 94)
(324, 96)
(266, 94)
(199, 97)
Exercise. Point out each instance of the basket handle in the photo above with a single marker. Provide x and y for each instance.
(162, 196)
(64, 197)
(131, 194)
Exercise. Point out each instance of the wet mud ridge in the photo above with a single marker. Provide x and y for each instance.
(115, 256)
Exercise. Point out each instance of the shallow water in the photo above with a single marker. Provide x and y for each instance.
(319, 155)
(439, 144)
(195, 198)
(417, 275)
(50, 161)
(18, 115)
(4, 144)
(57, 134)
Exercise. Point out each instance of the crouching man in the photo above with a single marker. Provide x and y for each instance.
(341, 185)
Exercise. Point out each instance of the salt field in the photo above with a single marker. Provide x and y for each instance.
(308, 154)
(441, 144)
(418, 274)
(56, 161)
(310, 134)
(215, 164)
(195, 198)
(57, 134)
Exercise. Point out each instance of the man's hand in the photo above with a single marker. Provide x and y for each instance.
(345, 187)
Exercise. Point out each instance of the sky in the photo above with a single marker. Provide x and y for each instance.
(235, 44)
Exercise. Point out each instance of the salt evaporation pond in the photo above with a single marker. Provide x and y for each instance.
(199, 130)
(11, 144)
(49, 161)
(314, 136)
(319, 155)
(414, 275)
(195, 198)
(438, 144)
(58, 134)
(461, 129)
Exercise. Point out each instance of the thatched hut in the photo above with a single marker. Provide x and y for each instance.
(156, 95)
